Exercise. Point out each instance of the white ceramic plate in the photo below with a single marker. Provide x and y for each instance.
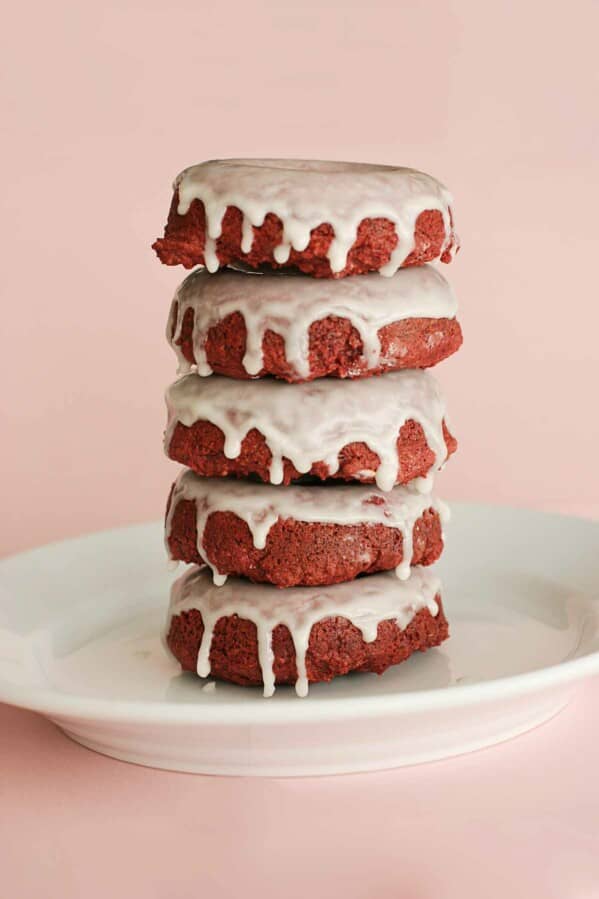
(79, 642)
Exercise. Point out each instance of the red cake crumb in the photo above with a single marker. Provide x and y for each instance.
(300, 552)
(201, 448)
(185, 235)
(335, 347)
(336, 646)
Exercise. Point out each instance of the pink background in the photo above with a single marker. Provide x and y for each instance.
(103, 104)
(106, 102)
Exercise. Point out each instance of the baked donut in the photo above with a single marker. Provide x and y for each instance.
(300, 535)
(328, 219)
(386, 430)
(298, 328)
(251, 634)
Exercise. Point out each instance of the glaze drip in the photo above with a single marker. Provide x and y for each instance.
(307, 193)
(365, 603)
(312, 422)
(261, 506)
(288, 305)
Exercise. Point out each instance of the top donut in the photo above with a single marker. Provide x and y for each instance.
(328, 219)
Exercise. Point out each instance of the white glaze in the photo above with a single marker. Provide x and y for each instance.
(261, 506)
(365, 602)
(288, 304)
(308, 193)
(313, 421)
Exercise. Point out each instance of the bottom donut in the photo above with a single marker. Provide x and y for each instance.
(251, 634)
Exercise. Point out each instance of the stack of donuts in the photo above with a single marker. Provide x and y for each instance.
(309, 429)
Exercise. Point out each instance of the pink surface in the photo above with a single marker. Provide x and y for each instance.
(518, 820)
(102, 105)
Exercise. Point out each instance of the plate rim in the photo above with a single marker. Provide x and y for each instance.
(291, 709)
